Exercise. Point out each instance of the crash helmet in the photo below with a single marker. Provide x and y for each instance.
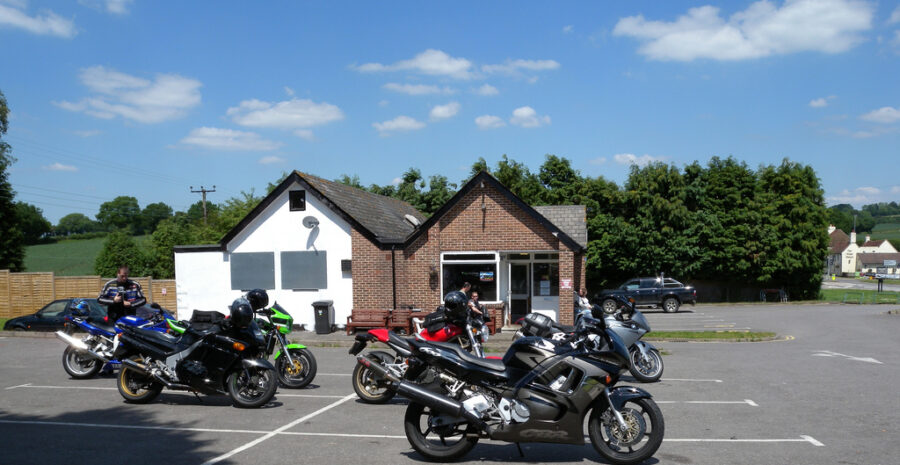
(241, 313)
(258, 299)
(455, 303)
(80, 307)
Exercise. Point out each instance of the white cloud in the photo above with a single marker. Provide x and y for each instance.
(598, 161)
(763, 29)
(271, 160)
(46, 23)
(884, 115)
(487, 90)
(526, 117)
(895, 16)
(431, 62)
(861, 196)
(400, 123)
(116, 7)
(515, 67)
(869, 190)
(818, 103)
(288, 91)
(289, 114)
(90, 133)
(568, 29)
(396, 181)
(384, 103)
(60, 167)
(167, 97)
(418, 89)
(228, 139)
(895, 190)
(305, 134)
(489, 122)
(632, 159)
(440, 112)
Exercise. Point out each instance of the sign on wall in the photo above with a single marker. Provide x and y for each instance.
(254, 270)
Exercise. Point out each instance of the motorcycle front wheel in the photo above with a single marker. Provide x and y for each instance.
(298, 374)
(437, 442)
(135, 387)
(369, 387)
(78, 364)
(637, 441)
(252, 387)
(647, 370)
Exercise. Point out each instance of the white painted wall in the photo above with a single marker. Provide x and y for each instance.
(203, 279)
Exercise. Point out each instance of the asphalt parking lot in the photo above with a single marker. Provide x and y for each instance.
(825, 392)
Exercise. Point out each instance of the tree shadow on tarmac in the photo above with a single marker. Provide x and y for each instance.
(501, 452)
(109, 435)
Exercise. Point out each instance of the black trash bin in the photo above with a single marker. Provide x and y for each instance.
(324, 310)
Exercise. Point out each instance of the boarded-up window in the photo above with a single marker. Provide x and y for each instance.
(304, 270)
(254, 270)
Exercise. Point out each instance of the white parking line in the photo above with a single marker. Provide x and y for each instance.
(745, 401)
(803, 438)
(279, 430)
(693, 380)
(29, 385)
(333, 374)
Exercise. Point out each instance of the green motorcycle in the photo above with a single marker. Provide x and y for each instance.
(295, 365)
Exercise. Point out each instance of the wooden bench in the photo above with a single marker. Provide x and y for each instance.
(399, 320)
(367, 318)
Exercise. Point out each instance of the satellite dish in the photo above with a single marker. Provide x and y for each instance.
(412, 220)
(310, 222)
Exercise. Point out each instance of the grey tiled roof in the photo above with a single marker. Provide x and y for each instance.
(838, 241)
(876, 259)
(570, 219)
(382, 216)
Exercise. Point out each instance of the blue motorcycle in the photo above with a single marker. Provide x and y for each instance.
(85, 357)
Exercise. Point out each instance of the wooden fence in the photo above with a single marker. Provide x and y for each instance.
(26, 293)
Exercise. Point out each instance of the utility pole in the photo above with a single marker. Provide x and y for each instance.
(203, 191)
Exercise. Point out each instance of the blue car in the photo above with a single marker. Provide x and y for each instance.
(53, 316)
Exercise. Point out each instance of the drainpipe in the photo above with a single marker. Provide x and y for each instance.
(394, 276)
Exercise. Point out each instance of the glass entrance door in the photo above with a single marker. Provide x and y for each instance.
(519, 292)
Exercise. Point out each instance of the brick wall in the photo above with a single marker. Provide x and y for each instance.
(500, 225)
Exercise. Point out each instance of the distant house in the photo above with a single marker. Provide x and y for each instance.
(883, 263)
(846, 257)
(312, 239)
(882, 246)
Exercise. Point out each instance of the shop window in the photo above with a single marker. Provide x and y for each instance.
(477, 269)
(545, 279)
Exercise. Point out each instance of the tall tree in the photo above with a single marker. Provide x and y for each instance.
(166, 236)
(121, 212)
(120, 249)
(76, 223)
(153, 214)
(32, 222)
(12, 245)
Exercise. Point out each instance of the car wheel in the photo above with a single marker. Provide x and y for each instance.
(671, 305)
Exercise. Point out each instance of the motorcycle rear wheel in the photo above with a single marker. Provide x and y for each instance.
(436, 443)
(646, 371)
(135, 387)
(638, 442)
(370, 388)
(79, 365)
(251, 388)
(301, 373)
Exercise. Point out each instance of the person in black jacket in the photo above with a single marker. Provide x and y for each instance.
(121, 296)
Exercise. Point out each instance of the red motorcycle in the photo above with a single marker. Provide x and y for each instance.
(469, 333)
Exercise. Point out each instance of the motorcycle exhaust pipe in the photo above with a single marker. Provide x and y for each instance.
(80, 345)
(144, 372)
(421, 395)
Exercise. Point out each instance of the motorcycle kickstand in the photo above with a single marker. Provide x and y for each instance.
(518, 446)
(199, 399)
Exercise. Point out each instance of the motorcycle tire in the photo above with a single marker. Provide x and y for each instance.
(135, 387)
(644, 419)
(645, 372)
(80, 365)
(251, 391)
(299, 375)
(369, 388)
(448, 443)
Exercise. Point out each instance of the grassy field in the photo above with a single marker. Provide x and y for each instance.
(886, 231)
(858, 296)
(68, 258)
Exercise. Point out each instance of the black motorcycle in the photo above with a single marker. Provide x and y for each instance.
(541, 391)
(215, 355)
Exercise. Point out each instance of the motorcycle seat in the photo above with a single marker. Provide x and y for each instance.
(399, 341)
(160, 338)
(490, 364)
(103, 326)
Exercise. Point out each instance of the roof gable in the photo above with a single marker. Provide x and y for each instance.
(484, 177)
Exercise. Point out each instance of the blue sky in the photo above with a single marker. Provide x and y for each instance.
(149, 98)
